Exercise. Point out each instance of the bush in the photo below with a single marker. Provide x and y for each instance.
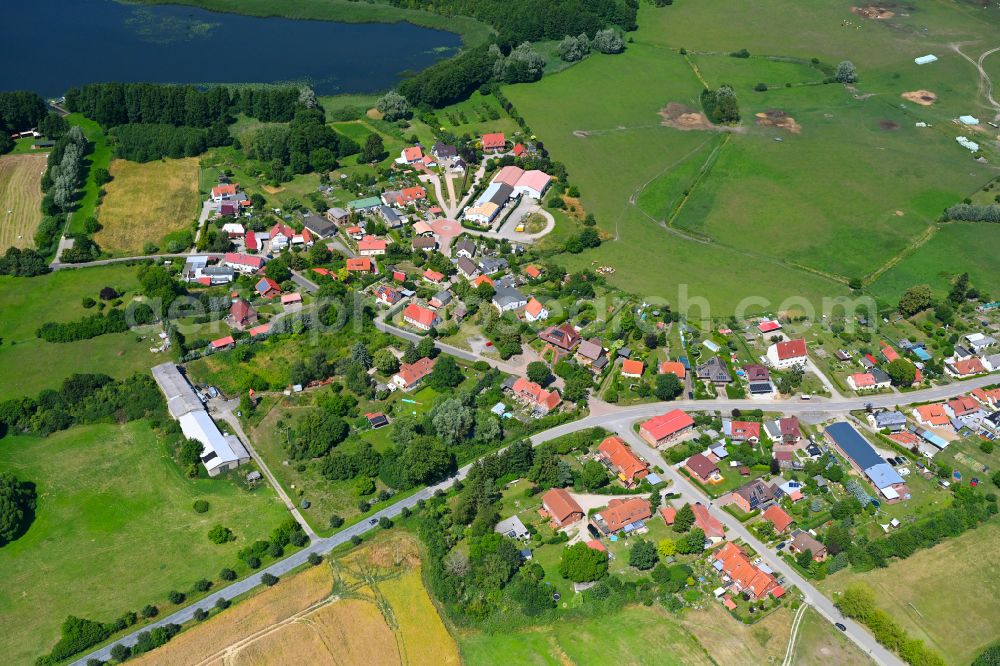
(336, 521)
(202, 585)
(253, 562)
(220, 534)
(222, 603)
(120, 652)
(384, 523)
(315, 559)
(200, 506)
(269, 579)
(200, 614)
(227, 574)
(149, 611)
(176, 597)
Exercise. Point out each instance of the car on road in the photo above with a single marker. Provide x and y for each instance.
(373, 521)
(781, 545)
(840, 626)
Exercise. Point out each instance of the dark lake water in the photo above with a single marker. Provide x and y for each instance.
(50, 45)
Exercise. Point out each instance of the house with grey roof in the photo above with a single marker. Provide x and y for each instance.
(893, 420)
(715, 371)
(467, 267)
(507, 298)
(319, 226)
(464, 247)
(491, 265)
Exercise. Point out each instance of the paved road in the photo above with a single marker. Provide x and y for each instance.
(104, 262)
(207, 208)
(304, 282)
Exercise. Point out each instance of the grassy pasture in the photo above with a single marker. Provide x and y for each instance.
(947, 596)
(146, 202)
(98, 157)
(31, 364)
(114, 530)
(798, 216)
(20, 198)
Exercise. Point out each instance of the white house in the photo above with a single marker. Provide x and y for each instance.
(535, 311)
(788, 354)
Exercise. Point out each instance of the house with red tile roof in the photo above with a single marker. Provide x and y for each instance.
(360, 265)
(224, 191)
(291, 299)
(259, 330)
(595, 544)
(669, 514)
(535, 311)
(713, 529)
(931, 415)
(433, 276)
(267, 288)
(778, 517)
(371, 246)
(562, 509)
(250, 241)
(410, 374)
(494, 143)
(619, 456)
(532, 271)
(768, 326)
(674, 368)
(420, 317)
(355, 232)
(789, 429)
(536, 397)
(223, 343)
(563, 337)
(241, 314)
(745, 431)
(622, 514)
(888, 353)
(965, 367)
(386, 294)
(519, 149)
(482, 279)
(244, 263)
(961, 405)
(745, 576)
(862, 381)
(788, 354)
(755, 372)
(632, 368)
(411, 155)
(989, 397)
(661, 429)
(703, 469)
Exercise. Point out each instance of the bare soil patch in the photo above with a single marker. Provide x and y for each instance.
(921, 97)
(873, 12)
(684, 118)
(780, 119)
(272, 190)
(888, 125)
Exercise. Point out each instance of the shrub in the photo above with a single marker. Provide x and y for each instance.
(202, 585)
(222, 603)
(253, 562)
(315, 559)
(176, 597)
(149, 610)
(336, 521)
(269, 579)
(200, 506)
(120, 652)
(384, 523)
(227, 574)
(220, 534)
(200, 614)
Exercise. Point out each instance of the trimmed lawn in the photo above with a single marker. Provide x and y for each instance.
(114, 530)
(146, 202)
(947, 596)
(635, 635)
(31, 364)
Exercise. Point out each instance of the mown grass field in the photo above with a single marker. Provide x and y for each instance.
(636, 635)
(20, 198)
(98, 157)
(31, 364)
(947, 596)
(114, 531)
(145, 202)
(786, 214)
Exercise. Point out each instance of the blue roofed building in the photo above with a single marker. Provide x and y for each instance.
(866, 461)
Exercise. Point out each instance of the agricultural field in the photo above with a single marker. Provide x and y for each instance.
(818, 642)
(635, 635)
(114, 530)
(369, 606)
(947, 596)
(27, 303)
(819, 183)
(20, 199)
(146, 202)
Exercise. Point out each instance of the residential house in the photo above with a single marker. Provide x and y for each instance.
(768, 326)
(754, 495)
(281, 236)
(367, 203)
(861, 381)
(338, 216)
(440, 299)
(387, 295)
(233, 230)
(371, 246)
(535, 311)
(669, 514)
(293, 298)
(444, 151)
(632, 369)
(889, 420)
(888, 353)
(241, 314)
(420, 317)
(464, 247)
(244, 263)
(467, 267)
(320, 226)
(512, 528)
(433, 276)
(754, 372)
(507, 299)
(425, 244)
(411, 155)
(492, 265)
(673, 368)
(744, 431)
(410, 374)
(622, 515)
(267, 288)
(533, 395)
(778, 518)
(620, 458)
(747, 578)
(665, 427)
(390, 217)
(532, 271)
(788, 354)
(224, 192)
(979, 342)
(563, 337)
(803, 541)
(961, 405)
(494, 143)
(715, 371)
(482, 279)
(791, 433)
(703, 469)
(965, 367)
(355, 232)
(989, 397)
(713, 529)
(931, 416)
(360, 265)
(561, 507)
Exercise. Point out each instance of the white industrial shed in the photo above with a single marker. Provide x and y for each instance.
(220, 453)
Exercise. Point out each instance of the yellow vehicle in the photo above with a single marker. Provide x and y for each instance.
(519, 227)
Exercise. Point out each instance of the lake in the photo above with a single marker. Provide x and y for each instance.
(51, 45)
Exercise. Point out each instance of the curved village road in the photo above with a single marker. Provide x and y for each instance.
(620, 420)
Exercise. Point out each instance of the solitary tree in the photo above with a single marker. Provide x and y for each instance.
(846, 72)
(538, 372)
(643, 555)
(393, 106)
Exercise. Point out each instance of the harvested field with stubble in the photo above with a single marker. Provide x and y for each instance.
(368, 607)
(145, 202)
(20, 199)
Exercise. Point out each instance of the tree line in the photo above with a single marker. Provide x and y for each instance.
(115, 321)
(22, 263)
(145, 142)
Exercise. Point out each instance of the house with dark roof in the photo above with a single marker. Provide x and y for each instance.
(755, 494)
(789, 429)
(464, 247)
(320, 226)
(803, 541)
(715, 371)
(703, 469)
(467, 267)
(866, 461)
(506, 299)
(563, 337)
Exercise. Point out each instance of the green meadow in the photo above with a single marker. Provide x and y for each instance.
(779, 212)
(31, 364)
(114, 530)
